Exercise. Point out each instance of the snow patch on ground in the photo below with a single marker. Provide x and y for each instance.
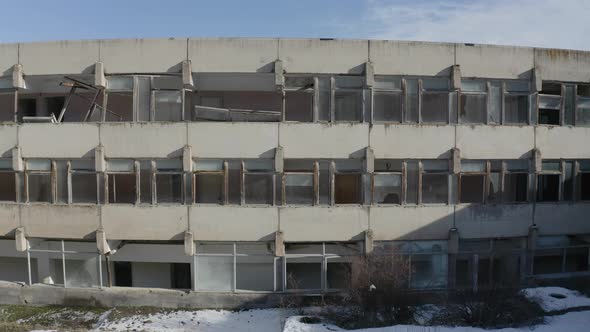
(556, 298)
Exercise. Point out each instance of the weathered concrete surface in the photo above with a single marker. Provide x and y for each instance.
(62, 57)
(128, 222)
(412, 141)
(59, 221)
(495, 142)
(137, 55)
(234, 223)
(11, 293)
(323, 223)
(316, 140)
(403, 57)
(411, 222)
(563, 142)
(493, 221)
(9, 219)
(495, 61)
(68, 140)
(8, 139)
(323, 56)
(232, 54)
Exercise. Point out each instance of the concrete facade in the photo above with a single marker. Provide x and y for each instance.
(365, 140)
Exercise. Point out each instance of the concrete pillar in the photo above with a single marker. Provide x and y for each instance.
(279, 159)
(368, 243)
(456, 77)
(279, 75)
(18, 78)
(369, 160)
(101, 242)
(279, 244)
(100, 163)
(22, 244)
(17, 159)
(456, 160)
(187, 159)
(189, 243)
(187, 75)
(99, 78)
(369, 74)
(453, 249)
(536, 80)
(537, 161)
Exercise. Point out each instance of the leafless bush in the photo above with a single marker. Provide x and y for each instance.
(295, 299)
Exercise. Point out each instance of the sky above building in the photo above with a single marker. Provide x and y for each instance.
(542, 23)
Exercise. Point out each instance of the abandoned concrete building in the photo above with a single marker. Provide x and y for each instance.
(267, 165)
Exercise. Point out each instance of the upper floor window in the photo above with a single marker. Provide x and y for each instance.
(564, 104)
(8, 179)
(494, 181)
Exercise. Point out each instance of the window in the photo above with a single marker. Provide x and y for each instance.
(583, 105)
(472, 181)
(259, 182)
(548, 182)
(473, 102)
(299, 95)
(299, 182)
(516, 181)
(209, 181)
(550, 104)
(584, 180)
(387, 99)
(560, 254)
(435, 181)
(83, 181)
(167, 105)
(347, 182)
(348, 101)
(516, 102)
(7, 181)
(387, 182)
(7, 104)
(435, 100)
(38, 179)
(121, 181)
(169, 181)
(493, 181)
(119, 99)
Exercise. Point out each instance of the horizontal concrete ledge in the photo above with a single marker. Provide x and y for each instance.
(17, 294)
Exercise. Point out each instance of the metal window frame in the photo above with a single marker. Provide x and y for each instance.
(51, 173)
(421, 172)
(156, 172)
(107, 183)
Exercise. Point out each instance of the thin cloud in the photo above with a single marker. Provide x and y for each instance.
(541, 23)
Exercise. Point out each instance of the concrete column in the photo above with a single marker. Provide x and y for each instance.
(99, 78)
(456, 77)
(369, 74)
(453, 249)
(537, 161)
(22, 244)
(17, 159)
(187, 75)
(187, 159)
(279, 159)
(18, 78)
(456, 160)
(101, 242)
(536, 80)
(279, 244)
(100, 163)
(369, 160)
(368, 243)
(189, 243)
(279, 75)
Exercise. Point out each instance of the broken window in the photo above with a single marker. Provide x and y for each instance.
(548, 182)
(435, 100)
(123, 274)
(299, 96)
(494, 182)
(166, 98)
(348, 101)
(259, 181)
(7, 181)
(299, 182)
(435, 181)
(516, 102)
(387, 182)
(249, 106)
(145, 181)
(584, 180)
(411, 99)
(412, 175)
(550, 104)
(473, 102)
(472, 181)
(27, 107)
(347, 182)
(38, 177)
(387, 99)
(324, 190)
(209, 181)
(516, 181)
(83, 181)
(121, 181)
(7, 105)
(169, 181)
(119, 99)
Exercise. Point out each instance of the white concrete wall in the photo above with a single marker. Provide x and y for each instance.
(143, 140)
(62, 57)
(227, 223)
(495, 61)
(59, 221)
(315, 140)
(495, 142)
(562, 218)
(68, 140)
(127, 222)
(151, 275)
(136, 55)
(233, 140)
(412, 141)
(8, 139)
(411, 222)
(411, 58)
(323, 223)
(493, 221)
(563, 65)
(323, 56)
(232, 54)
(9, 219)
(563, 142)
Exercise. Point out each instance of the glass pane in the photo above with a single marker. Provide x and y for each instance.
(347, 106)
(516, 109)
(429, 271)
(299, 189)
(61, 181)
(387, 189)
(387, 106)
(209, 188)
(435, 188)
(348, 165)
(550, 165)
(550, 102)
(411, 100)
(388, 165)
(548, 188)
(435, 107)
(324, 96)
(215, 273)
(258, 188)
(84, 188)
(338, 273)
(495, 103)
(39, 164)
(169, 164)
(145, 181)
(299, 106)
(515, 188)
(473, 166)
(435, 84)
(208, 165)
(324, 183)
(570, 104)
(473, 85)
(39, 187)
(295, 165)
(121, 188)
(435, 165)
(169, 188)
(347, 189)
(517, 165)
(517, 86)
(234, 185)
(473, 108)
(388, 82)
(583, 112)
(255, 273)
(120, 83)
(472, 188)
(119, 107)
(120, 165)
(349, 81)
(83, 164)
(412, 182)
(298, 81)
(304, 273)
(568, 181)
(494, 188)
(168, 105)
(6, 164)
(261, 165)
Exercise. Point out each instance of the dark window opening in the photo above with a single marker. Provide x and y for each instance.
(516, 109)
(387, 107)
(209, 188)
(181, 276)
(473, 108)
(26, 107)
(119, 106)
(39, 186)
(7, 186)
(7, 107)
(549, 116)
(121, 188)
(258, 188)
(516, 187)
(435, 188)
(585, 186)
(304, 275)
(234, 179)
(123, 274)
(298, 106)
(435, 107)
(347, 189)
(472, 188)
(169, 188)
(54, 105)
(548, 188)
(84, 188)
(337, 274)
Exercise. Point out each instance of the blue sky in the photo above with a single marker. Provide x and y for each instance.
(545, 23)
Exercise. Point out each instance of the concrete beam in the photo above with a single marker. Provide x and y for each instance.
(18, 79)
(22, 244)
(369, 74)
(99, 159)
(17, 159)
(99, 77)
(189, 243)
(279, 159)
(101, 242)
(279, 74)
(279, 244)
(187, 74)
(368, 242)
(456, 77)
